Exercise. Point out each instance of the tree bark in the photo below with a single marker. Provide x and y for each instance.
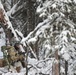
(11, 3)
(30, 16)
(56, 66)
(66, 68)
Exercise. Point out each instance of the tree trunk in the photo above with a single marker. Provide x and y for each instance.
(56, 66)
(27, 62)
(66, 67)
(30, 16)
(11, 3)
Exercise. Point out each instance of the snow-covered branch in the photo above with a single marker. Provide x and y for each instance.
(38, 27)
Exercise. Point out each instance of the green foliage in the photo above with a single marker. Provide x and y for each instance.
(3, 48)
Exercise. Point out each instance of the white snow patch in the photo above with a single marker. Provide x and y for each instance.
(9, 73)
(73, 39)
(2, 41)
(75, 1)
(48, 46)
(42, 15)
(33, 40)
(39, 9)
(62, 50)
(62, 70)
(54, 6)
(66, 56)
(32, 61)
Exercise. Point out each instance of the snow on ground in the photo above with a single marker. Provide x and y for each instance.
(42, 66)
(9, 73)
(3, 71)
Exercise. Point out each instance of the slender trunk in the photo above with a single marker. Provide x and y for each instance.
(37, 50)
(27, 62)
(11, 3)
(66, 68)
(56, 66)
